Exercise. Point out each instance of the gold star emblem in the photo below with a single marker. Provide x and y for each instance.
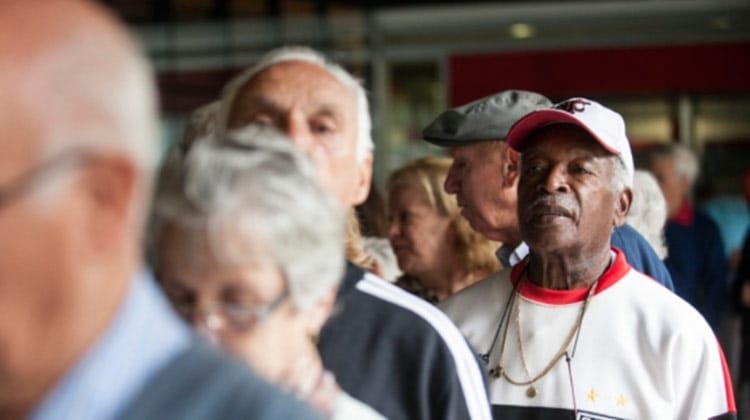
(621, 401)
(592, 395)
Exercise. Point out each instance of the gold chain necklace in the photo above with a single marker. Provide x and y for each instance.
(531, 391)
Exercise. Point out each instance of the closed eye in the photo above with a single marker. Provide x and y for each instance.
(579, 169)
(263, 119)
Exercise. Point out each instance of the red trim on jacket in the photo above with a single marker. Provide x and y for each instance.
(529, 290)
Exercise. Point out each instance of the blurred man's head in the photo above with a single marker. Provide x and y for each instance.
(317, 104)
(676, 168)
(78, 126)
(484, 175)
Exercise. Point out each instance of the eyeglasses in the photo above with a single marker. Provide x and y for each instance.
(236, 316)
(28, 180)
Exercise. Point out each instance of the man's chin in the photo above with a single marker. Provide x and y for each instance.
(477, 224)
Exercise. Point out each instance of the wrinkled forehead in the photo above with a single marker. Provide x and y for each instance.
(288, 85)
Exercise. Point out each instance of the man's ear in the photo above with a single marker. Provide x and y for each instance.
(110, 183)
(622, 206)
(364, 177)
(511, 166)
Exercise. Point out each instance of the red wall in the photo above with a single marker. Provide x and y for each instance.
(714, 68)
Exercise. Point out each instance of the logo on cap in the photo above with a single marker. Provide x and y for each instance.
(574, 105)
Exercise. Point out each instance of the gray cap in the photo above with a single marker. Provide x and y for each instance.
(487, 118)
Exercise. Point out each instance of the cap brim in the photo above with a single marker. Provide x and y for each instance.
(449, 142)
(519, 133)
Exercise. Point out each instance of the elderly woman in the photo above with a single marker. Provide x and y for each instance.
(249, 250)
(573, 331)
(437, 251)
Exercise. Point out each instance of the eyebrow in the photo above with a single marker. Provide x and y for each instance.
(257, 103)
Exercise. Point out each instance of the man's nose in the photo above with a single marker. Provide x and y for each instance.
(207, 323)
(299, 132)
(393, 229)
(556, 180)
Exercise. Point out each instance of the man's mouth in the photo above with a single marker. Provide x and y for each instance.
(543, 213)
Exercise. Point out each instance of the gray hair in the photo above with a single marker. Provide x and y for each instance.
(684, 160)
(648, 211)
(255, 190)
(621, 178)
(365, 144)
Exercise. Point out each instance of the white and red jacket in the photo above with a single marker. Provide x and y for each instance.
(642, 352)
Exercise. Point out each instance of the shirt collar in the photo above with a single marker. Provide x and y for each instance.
(143, 337)
(616, 271)
(685, 214)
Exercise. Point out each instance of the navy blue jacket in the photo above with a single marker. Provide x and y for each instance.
(399, 354)
(640, 255)
(697, 263)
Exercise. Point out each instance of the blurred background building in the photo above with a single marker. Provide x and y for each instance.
(678, 70)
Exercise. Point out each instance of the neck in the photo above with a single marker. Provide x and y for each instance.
(561, 272)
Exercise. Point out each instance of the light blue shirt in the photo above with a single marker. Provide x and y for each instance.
(143, 337)
(732, 215)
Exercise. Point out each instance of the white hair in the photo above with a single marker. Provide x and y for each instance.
(648, 211)
(684, 160)
(365, 144)
(254, 192)
(621, 178)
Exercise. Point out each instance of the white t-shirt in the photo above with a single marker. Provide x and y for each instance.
(642, 352)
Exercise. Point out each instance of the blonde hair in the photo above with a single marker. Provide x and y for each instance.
(355, 243)
(476, 253)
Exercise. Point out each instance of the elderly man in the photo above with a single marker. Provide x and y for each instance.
(387, 348)
(484, 176)
(83, 333)
(573, 330)
(696, 258)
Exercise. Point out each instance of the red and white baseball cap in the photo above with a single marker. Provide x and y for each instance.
(603, 124)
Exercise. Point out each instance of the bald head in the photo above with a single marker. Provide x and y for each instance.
(76, 78)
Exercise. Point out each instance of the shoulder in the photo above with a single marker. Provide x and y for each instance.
(630, 241)
(413, 311)
(477, 309)
(396, 352)
(200, 383)
(474, 299)
(652, 302)
(705, 223)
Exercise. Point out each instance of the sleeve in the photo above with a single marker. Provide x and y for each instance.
(701, 383)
